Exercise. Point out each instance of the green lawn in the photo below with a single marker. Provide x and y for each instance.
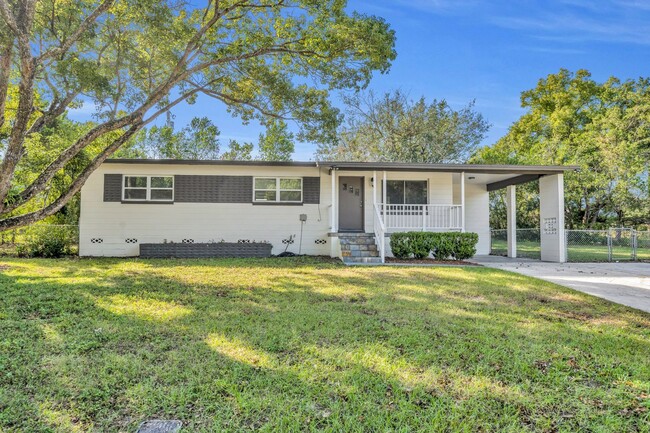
(308, 345)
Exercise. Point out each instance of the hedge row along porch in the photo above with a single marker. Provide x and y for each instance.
(339, 209)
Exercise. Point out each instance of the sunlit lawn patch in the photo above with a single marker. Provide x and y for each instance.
(305, 345)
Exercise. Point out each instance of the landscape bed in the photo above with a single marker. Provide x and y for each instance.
(300, 344)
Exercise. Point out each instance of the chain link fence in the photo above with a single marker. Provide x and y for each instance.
(11, 240)
(528, 243)
(616, 244)
(642, 247)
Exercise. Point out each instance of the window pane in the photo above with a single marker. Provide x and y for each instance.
(135, 194)
(161, 194)
(264, 195)
(395, 191)
(290, 183)
(135, 181)
(290, 195)
(416, 192)
(162, 182)
(264, 183)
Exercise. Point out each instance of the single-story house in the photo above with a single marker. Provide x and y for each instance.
(337, 209)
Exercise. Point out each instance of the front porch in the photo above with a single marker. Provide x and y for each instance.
(384, 198)
(381, 202)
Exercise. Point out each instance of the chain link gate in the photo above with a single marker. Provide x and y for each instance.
(642, 245)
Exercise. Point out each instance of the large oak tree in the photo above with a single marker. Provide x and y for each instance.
(137, 59)
(602, 127)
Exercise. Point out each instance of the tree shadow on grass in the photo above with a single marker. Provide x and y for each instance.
(295, 349)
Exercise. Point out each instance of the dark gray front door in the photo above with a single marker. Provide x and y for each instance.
(350, 204)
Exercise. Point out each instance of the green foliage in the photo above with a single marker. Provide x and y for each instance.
(396, 128)
(600, 127)
(238, 151)
(465, 246)
(277, 143)
(443, 246)
(47, 241)
(198, 140)
(400, 245)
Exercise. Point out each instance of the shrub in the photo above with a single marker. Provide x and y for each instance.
(443, 246)
(465, 246)
(399, 245)
(420, 245)
(48, 241)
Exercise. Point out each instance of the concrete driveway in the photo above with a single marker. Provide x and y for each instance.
(624, 283)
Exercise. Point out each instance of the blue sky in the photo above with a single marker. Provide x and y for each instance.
(487, 50)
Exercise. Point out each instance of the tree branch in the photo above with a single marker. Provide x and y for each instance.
(22, 27)
(5, 72)
(56, 108)
(83, 27)
(56, 205)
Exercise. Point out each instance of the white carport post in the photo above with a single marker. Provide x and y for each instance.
(551, 214)
(511, 218)
(333, 208)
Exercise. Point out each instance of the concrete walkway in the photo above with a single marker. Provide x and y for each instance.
(626, 283)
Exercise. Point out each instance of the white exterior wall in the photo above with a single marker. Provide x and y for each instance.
(477, 215)
(114, 222)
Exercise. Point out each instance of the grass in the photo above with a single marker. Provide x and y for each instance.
(308, 345)
(575, 253)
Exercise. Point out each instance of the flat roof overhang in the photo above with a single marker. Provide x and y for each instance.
(495, 177)
(387, 166)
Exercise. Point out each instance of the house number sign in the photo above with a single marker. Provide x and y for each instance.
(550, 226)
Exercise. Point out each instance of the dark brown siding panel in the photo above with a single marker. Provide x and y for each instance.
(113, 187)
(235, 189)
(195, 189)
(311, 190)
(213, 189)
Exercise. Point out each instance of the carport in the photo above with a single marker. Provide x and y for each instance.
(551, 213)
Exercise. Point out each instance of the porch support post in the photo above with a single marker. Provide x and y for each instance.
(374, 187)
(551, 214)
(334, 200)
(511, 217)
(462, 202)
(383, 198)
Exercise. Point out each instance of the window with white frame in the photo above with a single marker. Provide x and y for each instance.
(277, 189)
(148, 188)
(406, 191)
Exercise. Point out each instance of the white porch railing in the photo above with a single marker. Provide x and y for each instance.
(380, 233)
(425, 217)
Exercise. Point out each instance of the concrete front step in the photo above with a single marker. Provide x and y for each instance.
(357, 247)
(359, 254)
(361, 260)
(366, 240)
